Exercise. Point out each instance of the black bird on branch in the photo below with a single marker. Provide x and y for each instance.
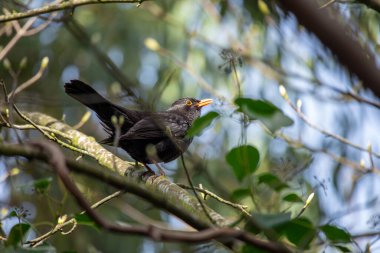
(148, 137)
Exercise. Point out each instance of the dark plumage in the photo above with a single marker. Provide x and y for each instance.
(148, 137)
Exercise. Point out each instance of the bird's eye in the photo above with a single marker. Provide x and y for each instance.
(189, 103)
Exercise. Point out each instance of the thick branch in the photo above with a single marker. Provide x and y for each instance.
(373, 4)
(51, 153)
(58, 7)
(111, 178)
(173, 194)
(324, 24)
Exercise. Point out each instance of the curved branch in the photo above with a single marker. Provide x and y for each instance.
(324, 23)
(51, 153)
(240, 207)
(109, 177)
(168, 191)
(373, 4)
(58, 7)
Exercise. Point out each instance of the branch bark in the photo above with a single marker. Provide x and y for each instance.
(373, 4)
(58, 7)
(173, 194)
(336, 36)
(50, 152)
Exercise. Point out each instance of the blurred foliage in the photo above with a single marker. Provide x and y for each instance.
(238, 53)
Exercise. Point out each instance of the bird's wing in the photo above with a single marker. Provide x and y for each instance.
(158, 126)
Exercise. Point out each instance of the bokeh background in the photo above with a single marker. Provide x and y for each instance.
(206, 49)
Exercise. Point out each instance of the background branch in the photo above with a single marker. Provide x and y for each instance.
(169, 191)
(58, 7)
(52, 154)
(324, 24)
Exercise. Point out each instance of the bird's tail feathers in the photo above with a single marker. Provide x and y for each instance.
(85, 94)
(93, 100)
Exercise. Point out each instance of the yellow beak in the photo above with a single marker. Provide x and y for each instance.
(204, 102)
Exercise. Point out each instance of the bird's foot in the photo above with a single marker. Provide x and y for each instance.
(149, 172)
(162, 172)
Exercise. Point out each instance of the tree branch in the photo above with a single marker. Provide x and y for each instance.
(172, 194)
(373, 4)
(161, 185)
(241, 208)
(58, 228)
(58, 7)
(51, 153)
(336, 36)
(83, 37)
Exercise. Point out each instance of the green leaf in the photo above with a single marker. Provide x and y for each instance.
(292, 197)
(277, 121)
(201, 123)
(40, 249)
(84, 219)
(12, 214)
(336, 234)
(342, 248)
(272, 181)
(299, 231)
(271, 220)
(264, 111)
(254, 108)
(240, 193)
(244, 160)
(41, 185)
(17, 234)
(252, 249)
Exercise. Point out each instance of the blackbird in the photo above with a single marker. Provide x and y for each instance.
(148, 137)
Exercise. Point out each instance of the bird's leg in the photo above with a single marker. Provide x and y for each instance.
(149, 169)
(154, 176)
(162, 172)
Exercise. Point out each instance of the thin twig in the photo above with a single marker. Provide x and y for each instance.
(337, 158)
(307, 203)
(42, 26)
(85, 39)
(239, 207)
(326, 4)
(16, 38)
(321, 130)
(151, 195)
(139, 216)
(58, 228)
(58, 7)
(238, 85)
(194, 191)
(57, 161)
(48, 129)
(83, 120)
(200, 80)
(49, 136)
(31, 80)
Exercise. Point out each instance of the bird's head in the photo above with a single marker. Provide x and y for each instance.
(190, 107)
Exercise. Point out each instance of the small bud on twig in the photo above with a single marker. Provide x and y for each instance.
(152, 44)
(44, 62)
(62, 219)
(299, 104)
(114, 120)
(23, 62)
(362, 163)
(283, 92)
(7, 64)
